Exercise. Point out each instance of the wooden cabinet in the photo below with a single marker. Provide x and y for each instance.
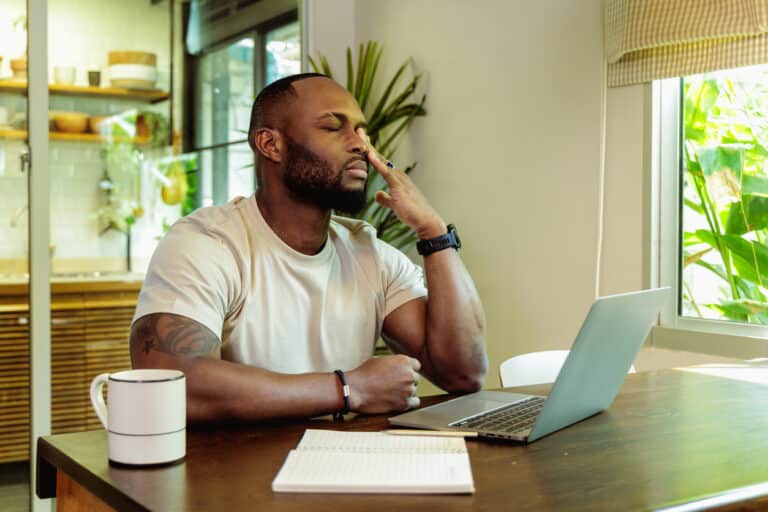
(90, 325)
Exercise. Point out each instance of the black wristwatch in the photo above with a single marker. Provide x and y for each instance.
(450, 239)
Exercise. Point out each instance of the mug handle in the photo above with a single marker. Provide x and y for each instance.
(97, 398)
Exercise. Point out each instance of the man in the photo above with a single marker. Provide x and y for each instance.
(260, 300)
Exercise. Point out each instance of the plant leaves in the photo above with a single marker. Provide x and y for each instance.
(741, 308)
(756, 210)
(749, 258)
(350, 72)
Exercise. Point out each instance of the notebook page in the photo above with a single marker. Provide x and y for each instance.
(334, 472)
(376, 442)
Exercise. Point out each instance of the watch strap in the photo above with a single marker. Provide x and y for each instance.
(431, 245)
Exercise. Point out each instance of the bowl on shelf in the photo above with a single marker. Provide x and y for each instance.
(19, 68)
(96, 123)
(69, 122)
(133, 76)
(131, 57)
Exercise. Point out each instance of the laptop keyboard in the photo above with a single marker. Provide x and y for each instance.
(510, 419)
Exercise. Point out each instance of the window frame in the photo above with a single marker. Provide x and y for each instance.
(716, 337)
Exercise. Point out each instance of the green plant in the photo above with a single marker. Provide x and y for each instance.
(157, 127)
(388, 119)
(20, 25)
(726, 177)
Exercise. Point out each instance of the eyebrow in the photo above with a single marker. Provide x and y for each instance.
(341, 117)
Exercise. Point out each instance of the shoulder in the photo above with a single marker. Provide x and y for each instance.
(213, 221)
(222, 226)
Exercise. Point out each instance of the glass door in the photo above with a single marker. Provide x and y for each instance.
(79, 209)
(15, 319)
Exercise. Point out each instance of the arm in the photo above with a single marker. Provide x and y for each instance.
(446, 332)
(220, 390)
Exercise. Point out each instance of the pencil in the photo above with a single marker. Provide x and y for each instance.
(433, 433)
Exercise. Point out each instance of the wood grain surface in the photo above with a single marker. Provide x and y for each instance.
(670, 437)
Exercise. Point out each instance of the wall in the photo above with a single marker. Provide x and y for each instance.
(81, 32)
(330, 25)
(509, 151)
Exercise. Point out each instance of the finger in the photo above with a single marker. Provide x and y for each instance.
(383, 199)
(366, 138)
(416, 378)
(415, 364)
(414, 389)
(363, 135)
(413, 402)
(378, 161)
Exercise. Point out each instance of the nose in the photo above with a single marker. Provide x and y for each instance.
(357, 144)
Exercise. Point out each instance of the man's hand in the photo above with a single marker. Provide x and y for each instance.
(384, 384)
(407, 201)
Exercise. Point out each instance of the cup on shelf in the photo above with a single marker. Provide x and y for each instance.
(94, 76)
(64, 75)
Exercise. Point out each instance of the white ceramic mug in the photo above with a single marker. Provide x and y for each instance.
(146, 416)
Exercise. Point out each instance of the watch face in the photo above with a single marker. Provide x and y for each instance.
(452, 229)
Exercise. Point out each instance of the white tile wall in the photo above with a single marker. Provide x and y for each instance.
(75, 170)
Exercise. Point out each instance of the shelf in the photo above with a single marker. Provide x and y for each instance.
(148, 95)
(72, 137)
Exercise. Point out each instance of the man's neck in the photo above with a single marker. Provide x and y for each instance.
(303, 227)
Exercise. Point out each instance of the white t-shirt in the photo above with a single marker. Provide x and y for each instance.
(272, 306)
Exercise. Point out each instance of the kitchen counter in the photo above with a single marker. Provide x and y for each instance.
(78, 277)
(14, 288)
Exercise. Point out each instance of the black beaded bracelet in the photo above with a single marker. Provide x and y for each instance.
(345, 392)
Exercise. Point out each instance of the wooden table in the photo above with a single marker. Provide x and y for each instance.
(671, 437)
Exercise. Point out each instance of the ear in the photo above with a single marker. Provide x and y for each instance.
(269, 142)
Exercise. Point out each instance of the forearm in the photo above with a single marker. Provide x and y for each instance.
(222, 390)
(455, 324)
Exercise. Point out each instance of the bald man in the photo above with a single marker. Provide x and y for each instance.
(270, 304)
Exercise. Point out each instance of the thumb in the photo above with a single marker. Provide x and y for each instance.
(384, 199)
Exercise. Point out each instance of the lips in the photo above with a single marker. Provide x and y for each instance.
(358, 169)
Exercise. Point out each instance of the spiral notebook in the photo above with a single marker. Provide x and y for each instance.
(328, 461)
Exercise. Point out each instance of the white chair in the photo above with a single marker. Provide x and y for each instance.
(534, 368)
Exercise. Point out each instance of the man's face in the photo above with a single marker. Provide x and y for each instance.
(325, 157)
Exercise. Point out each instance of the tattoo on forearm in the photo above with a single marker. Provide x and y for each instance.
(172, 334)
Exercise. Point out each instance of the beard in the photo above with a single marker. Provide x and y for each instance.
(312, 179)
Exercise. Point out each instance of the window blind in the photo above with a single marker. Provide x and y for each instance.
(652, 39)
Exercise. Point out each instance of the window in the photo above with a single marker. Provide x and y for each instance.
(711, 155)
(227, 78)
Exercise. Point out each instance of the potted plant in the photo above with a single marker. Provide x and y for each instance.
(19, 64)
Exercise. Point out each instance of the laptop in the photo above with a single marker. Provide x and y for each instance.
(598, 362)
